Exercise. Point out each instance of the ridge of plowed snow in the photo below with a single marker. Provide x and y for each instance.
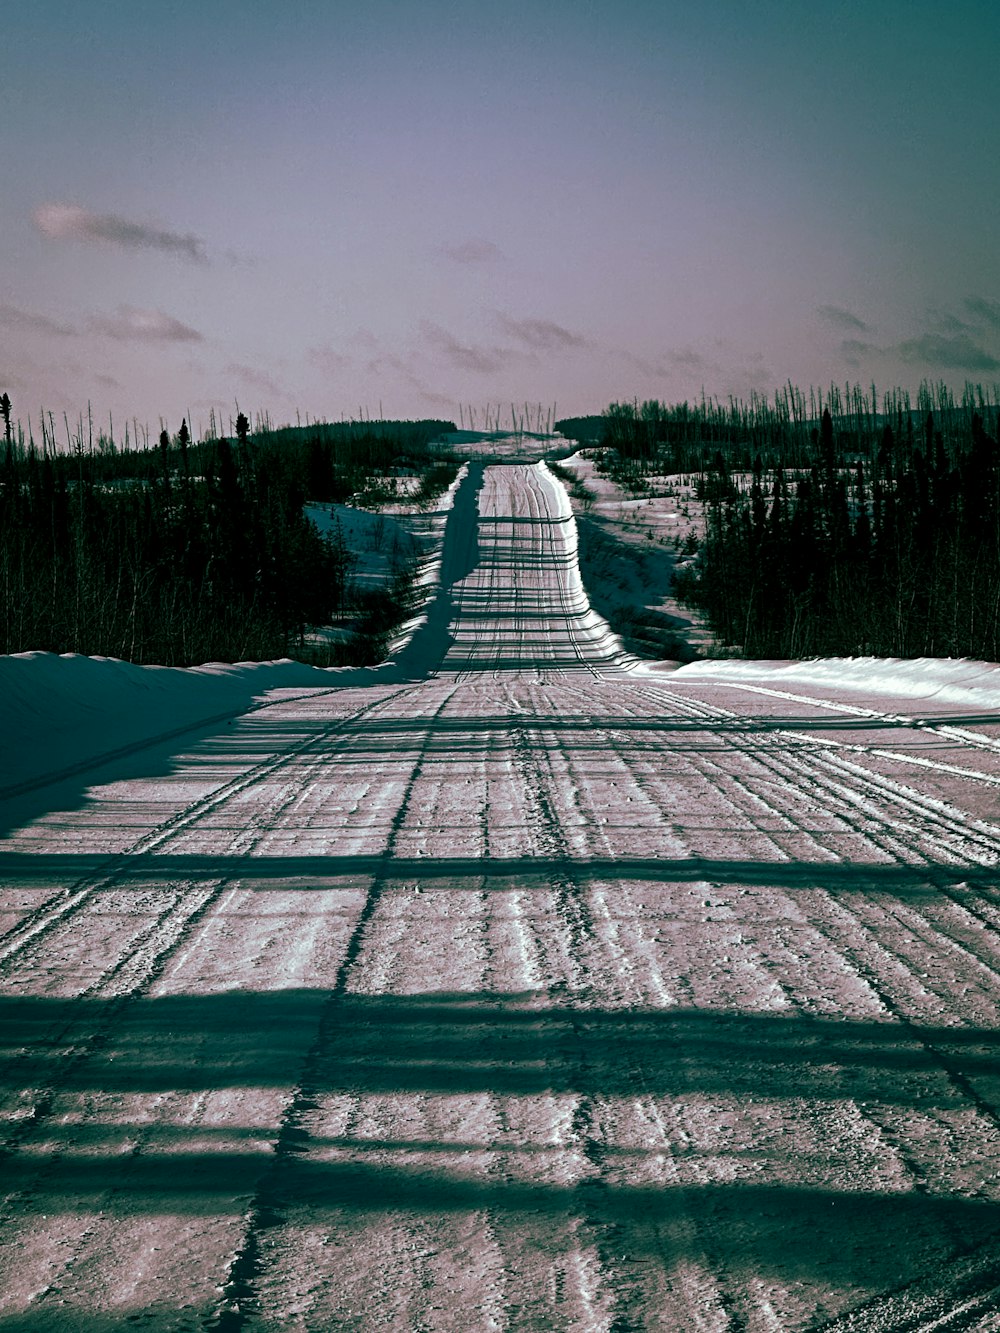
(945, 680)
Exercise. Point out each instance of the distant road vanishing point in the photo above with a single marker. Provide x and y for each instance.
(524, 987)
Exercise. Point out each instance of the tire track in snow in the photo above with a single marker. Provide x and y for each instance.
(862, 794)
(703, 1291)
(664, 837)
(97, 1011)
(106, 757)
(596, 974)
(964, 1300)
(114, 1005)
(866, 940)
(598, 651)
(428, 937)
(584, 1281)
(267, 1208)
(115, 869)
(948, 730)
(864, 804)
(972, 929)
(744, 790)
(546, 609)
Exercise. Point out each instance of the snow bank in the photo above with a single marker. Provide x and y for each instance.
(423, 640)
(941, 680)
(57, 711)
(604, 638)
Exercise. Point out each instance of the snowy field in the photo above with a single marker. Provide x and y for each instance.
(380, 542)
(515, 984)
(634, 543)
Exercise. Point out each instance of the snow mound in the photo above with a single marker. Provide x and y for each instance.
(941, 680)
(605, 641)
(59, 710)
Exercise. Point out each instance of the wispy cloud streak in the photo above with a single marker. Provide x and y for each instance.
(70, 222)
(842, 319)
(256, 379)
(24, 321)
(987, 311)
(130, 323)
(957, 353)
(327, 359)
(465, 356)
(543, 335)
(855, 350)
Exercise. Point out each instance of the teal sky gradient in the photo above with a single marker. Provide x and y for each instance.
(325, 207)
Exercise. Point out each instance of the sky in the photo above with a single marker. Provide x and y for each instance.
(400, 206)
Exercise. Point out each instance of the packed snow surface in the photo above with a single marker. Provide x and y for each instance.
(512, 984)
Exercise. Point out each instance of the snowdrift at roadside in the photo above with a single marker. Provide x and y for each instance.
(605, 640)
(60, 711)
(947, 681)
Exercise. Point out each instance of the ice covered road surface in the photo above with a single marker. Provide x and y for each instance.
(518, 989)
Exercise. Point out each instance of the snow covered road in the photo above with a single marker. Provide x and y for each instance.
(532, 989)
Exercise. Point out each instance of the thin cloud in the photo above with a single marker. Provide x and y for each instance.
(257, 379)
(758, 376)
(25, 321)
(474, 251)
(956, 353)
(430, 395)
(70, 222)
(652, 370)
(853, 349)
(841, 318)
(383, 364)
(678, 359)
(436, 399)
(240, 259)
(949, 323)
(130, 323)
(465, 356)
(327, 359)
(987, 311)
(688, 358)
(542, 335)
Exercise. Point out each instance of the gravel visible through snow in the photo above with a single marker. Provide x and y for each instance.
(515, 985)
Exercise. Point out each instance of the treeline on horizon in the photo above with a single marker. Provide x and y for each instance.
(850, 526)
(188, 551)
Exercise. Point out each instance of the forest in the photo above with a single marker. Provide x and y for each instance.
(181, 552)
(852, 526)
(841, 524)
